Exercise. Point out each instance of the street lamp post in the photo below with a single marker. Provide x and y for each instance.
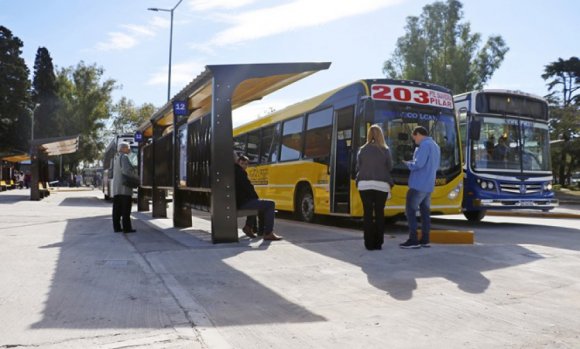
(32, 123)
(181, 214)
(170, 42)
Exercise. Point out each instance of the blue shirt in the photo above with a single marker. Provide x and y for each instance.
(424, 165)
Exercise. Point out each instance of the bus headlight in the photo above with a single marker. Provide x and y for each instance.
(486, 185)
(548, 186)
(453, 194)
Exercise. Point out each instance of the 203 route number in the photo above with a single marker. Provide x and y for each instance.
(410, 94)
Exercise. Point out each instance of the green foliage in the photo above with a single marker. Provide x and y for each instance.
(44, 93)
(563, 84)
(439, 48)
(129, 117)
(565, 74)
(85, 106)
(15, 103)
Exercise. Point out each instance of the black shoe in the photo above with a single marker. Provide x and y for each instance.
(129, 231)
(410, 244)
(425, 244)
(118, 231)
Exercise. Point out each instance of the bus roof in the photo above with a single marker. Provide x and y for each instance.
(502, 91)
(312, 103)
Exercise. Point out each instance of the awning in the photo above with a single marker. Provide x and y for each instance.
(14, 156)
(57, 145)
(268, 78)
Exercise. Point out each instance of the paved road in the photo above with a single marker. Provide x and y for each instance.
(69, 282)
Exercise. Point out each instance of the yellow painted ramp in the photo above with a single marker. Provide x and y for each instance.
(450, 236)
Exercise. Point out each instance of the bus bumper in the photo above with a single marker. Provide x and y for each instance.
(540, 204)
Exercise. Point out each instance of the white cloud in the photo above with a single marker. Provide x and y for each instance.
(117, 41)
(204, 5)
(181, 74)
(139, 29)
(129, 38)
(297, 14)
(160, 22)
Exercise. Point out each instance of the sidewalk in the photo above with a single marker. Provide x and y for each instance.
(70, 282)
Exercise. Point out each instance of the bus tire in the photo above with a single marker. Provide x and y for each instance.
(474, 216)
(305, 205)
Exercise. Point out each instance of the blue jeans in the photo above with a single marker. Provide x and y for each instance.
(266, 210)
(418, 200)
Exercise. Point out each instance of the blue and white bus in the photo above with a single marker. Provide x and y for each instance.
(506, 149)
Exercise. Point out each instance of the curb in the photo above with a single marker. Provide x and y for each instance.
(534, 214)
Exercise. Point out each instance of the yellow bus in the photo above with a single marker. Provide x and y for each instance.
(304, 156)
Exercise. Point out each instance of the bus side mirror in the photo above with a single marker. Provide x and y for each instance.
(475, 130)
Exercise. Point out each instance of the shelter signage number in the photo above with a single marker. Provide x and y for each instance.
(180, 108)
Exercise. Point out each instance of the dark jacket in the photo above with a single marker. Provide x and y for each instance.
(244, 188)
(374, 164)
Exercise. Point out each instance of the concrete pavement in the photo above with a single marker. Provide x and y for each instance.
(68, 281)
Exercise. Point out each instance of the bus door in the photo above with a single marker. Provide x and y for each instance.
(341, 161)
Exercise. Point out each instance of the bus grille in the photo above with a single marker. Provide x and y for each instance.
(521, 188)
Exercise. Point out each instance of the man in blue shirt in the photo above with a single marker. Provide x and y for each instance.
(424, 165)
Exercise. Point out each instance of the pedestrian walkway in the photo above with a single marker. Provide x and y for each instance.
(70, 282)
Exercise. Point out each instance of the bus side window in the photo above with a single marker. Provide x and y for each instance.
(291, 139)
(318, 135)
(252, 148)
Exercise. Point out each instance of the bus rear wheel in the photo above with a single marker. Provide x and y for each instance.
(474, 216)
(305, 205)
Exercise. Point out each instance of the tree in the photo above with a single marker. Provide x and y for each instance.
(14, 94)
(129, 117)
(438, 48)
(86, 104)
(566, 75)
(44, 94)
(565, 114)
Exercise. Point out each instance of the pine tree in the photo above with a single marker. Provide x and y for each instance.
(14, 94)
(44, 94)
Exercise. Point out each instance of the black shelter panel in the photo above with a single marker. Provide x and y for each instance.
(163, 161)
(147, 166)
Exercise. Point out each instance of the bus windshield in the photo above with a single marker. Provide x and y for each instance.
(511, 144)
(398, 123)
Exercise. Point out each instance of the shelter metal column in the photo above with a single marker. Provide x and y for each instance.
(181, 211)
(34, 174)
(224, 226)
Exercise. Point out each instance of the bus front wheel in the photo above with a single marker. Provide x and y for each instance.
(474, 216)
(305, 205)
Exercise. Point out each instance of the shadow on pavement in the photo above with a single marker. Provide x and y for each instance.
(396, 271)
(100, 281)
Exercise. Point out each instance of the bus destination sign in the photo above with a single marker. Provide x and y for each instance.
(411, 94)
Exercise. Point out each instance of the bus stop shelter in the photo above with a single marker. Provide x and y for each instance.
(187, 145)
(41, 149)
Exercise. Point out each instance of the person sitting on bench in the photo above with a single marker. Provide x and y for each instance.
(247, 199)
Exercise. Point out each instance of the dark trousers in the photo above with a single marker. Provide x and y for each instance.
(266, 210)
(374, 228)
(122, 209)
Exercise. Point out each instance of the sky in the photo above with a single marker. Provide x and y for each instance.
(131, 43)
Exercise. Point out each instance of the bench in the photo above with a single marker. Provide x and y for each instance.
(44, 192)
